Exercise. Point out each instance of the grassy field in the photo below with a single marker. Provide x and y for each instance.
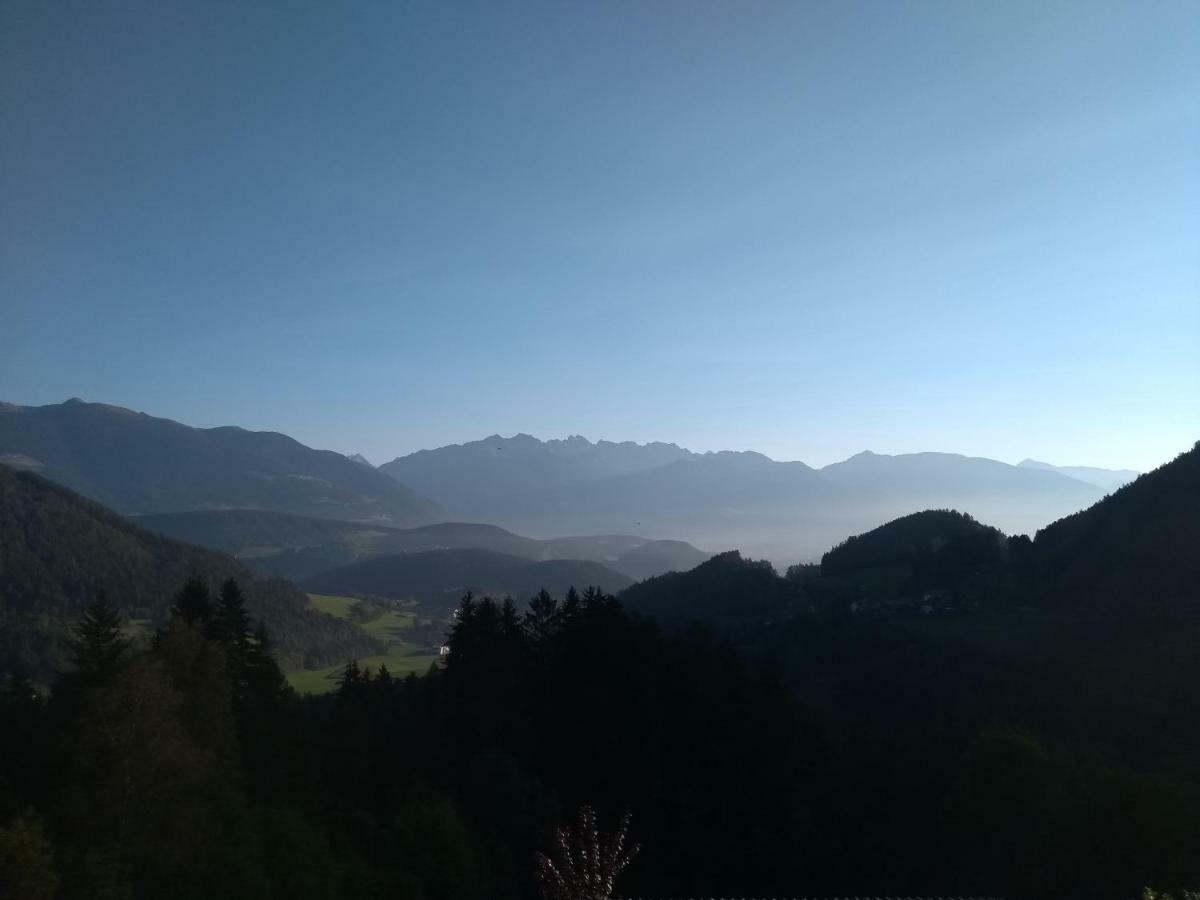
(338, 607)
(320, 681)
(401, 659)
(390, 626)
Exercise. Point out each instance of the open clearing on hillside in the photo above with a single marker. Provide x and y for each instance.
(338, 607)
(321, 681)
(388, 626)
(401, 659)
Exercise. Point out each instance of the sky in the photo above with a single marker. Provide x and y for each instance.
(804, 228)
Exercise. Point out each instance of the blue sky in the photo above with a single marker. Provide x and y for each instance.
(802, 228)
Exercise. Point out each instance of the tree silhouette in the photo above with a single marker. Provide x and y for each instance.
(542, 619)
(230, 621)
(98, 644)
(586, 863)
(193, 603)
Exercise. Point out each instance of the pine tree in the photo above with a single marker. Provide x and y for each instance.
(98, 645)
(571, 607)
(351, 678)
(230, 622)
(193, 603)
(230, 625)
(542, 620)
(510, 622)
(264, 680)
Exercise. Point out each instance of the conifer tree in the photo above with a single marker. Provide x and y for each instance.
(230, 625)
(351, 678)
(98, 645)
(230, 621)
(510, 622)
(193, 603)
(264, 679)
(541, 620)
(571, 607)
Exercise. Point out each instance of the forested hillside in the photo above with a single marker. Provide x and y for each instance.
(910, 717)
(727, 591)
(57, 550)
(1136, 551)
(438, 578)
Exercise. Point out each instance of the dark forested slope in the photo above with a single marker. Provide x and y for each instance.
(443, 576)
(1137, 548)
(727, 590)
(57, 549)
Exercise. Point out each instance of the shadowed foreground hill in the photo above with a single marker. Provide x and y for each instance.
(919, 539)
(57, 549)
(135, 463)
(727, 590)
(443, 576)
(1136, 549)
(935, 550)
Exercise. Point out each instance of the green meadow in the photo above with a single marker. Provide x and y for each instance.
(402, 657)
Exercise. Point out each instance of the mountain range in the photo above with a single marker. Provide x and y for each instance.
(785, 511)
(779, 510)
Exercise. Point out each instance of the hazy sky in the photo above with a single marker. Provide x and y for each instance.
(803, 228)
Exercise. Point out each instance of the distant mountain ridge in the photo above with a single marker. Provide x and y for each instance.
(136, 464)
(784, 511)
(780, 510)
(1107, 479)
(298, 547)
(497, 467)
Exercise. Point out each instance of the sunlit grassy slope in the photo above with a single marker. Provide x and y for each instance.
(401, 659)
(338, 607)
